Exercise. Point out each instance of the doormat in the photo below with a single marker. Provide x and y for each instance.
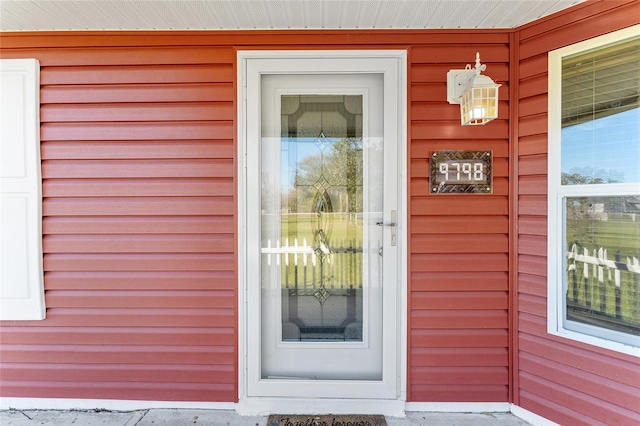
(326, 420)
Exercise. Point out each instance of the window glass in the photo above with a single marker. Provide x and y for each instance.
(603, 245)
(601, 115)
(594, 191)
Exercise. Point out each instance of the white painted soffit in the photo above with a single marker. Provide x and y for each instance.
(47, 15)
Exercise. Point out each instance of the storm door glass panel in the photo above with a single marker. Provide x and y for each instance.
(321, 248)
(321, 218)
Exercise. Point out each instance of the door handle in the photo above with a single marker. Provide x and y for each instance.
(393, 226)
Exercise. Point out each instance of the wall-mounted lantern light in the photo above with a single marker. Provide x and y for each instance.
(477, 94)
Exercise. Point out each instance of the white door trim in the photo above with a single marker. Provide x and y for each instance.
(245, 134)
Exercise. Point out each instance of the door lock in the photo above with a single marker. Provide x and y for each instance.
(393, 226)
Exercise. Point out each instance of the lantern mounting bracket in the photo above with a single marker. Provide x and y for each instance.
(477, 94)
(458, 81)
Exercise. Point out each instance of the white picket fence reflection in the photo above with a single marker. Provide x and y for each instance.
(305, 266)
(604, 290)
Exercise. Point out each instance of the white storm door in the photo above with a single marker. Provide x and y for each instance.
(322, 243)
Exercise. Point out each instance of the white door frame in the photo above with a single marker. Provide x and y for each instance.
(341, 61)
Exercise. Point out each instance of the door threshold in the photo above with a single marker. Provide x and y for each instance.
(256, 406)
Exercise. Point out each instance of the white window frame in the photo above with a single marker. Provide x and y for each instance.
(557, 193)
(21, 266)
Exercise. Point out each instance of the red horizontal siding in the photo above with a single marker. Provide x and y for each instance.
(472, 205)
(458, 319)
(149, 206)
(164, 280)
(84, 169)
(156, 149)
(533, 225)
(151, 336)
(144, 74)
(531, 145)
(462, 281)
(459, 244)
(533, 205)
(420, 185)
(462, 53)
(446, 130)
(94, 94)
(471, 357)
(612, 391)
(140, 299)
(532, 305)
(622, 368)
(532, 244)
(430, 72)
(139, 215)
(533, 105)
(598, 411)
(497, 262)
(138, 187)
(167, 391)
(423, 225)
(423, 148)
(530, 86)
(138, 148)
(533, 165)
(465, 338)
(464, 300)
(565, 381)
(530, 185)
(581, 24)
(117, 373)
(195, 111)
(154, 98)
(532, 125)
(183, 243)
(551, 409)
(273, 38)
(138, 225)
(458, 375)
(135, 56)
(140, 317)
(136, 131)
(433, 92)
(535, 265)
(112, 354)
(531, 284)
(469, 393)
(141, 262)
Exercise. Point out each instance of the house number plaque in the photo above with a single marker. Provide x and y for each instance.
(461, 172)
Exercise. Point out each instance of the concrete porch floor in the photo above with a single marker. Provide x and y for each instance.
(179, 417)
